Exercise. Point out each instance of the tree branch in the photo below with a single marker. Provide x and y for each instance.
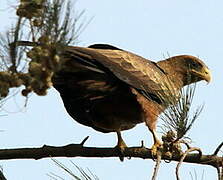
(78, 150)
(156, 168)
(183, 157)
(2, 177)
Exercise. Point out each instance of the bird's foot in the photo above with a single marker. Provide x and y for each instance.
(121, 148)
(156, 149)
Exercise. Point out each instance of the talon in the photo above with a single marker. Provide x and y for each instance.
(156, 148)
(120, 147)
(120, 150)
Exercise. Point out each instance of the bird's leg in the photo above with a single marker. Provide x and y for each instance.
(120, 146)
(158, 144)
(151, 124)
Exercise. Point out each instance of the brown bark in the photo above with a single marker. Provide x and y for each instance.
(78, 150)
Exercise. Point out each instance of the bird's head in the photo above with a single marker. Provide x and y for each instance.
(190, 68)
(196, 69)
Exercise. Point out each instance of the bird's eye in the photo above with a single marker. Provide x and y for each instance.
(193, 64)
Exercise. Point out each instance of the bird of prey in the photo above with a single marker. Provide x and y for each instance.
(112, 90)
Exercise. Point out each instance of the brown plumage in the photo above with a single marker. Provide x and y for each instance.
(112, 90)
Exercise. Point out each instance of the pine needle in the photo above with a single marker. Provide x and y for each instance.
(178, 117)
(84, 174)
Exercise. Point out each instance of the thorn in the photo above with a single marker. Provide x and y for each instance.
(142, 144)
(217, 149)
(85, 139)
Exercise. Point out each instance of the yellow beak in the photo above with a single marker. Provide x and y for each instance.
(205, 74)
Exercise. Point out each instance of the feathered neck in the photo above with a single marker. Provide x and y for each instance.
(173, 69)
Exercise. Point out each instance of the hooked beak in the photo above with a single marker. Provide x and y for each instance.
(204, 74)
(207, 75)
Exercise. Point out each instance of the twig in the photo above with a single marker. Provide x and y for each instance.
(2, 177)
(217, 149)
(157, 165)
(221, 176)
(220, 173)
(85, 139)
(219, 169)
(24, 43)
(183, 157)
(185, 143)
(13, 47)
(142, 144)
(32, 31)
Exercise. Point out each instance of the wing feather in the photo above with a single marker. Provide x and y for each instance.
(135, 70)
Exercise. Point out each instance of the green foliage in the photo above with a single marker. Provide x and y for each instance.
(49, 27)
(83, 174)
(177, 117)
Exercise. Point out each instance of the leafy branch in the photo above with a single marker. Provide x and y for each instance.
(49, 27)
(177, 117)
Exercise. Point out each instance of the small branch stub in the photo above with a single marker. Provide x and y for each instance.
(84, 140)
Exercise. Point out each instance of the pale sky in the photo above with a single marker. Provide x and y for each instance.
(152, 29)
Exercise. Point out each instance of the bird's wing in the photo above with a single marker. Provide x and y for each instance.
(140, 73)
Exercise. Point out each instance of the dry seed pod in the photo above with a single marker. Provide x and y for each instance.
(41, 92)
(5, 76)
(37, 22)
(45, 40)
(56, 59)
(31, 54)
(45, 53)
(21, 12)
(176, 148)
(35, 53)
(168, 154)
(38, 13)
(4, 89)
(38, 50)
(15, 81)
(169, 136)
(26, 91)
(25, 1)
(36, 84)
(35, 68)
(25, 78)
